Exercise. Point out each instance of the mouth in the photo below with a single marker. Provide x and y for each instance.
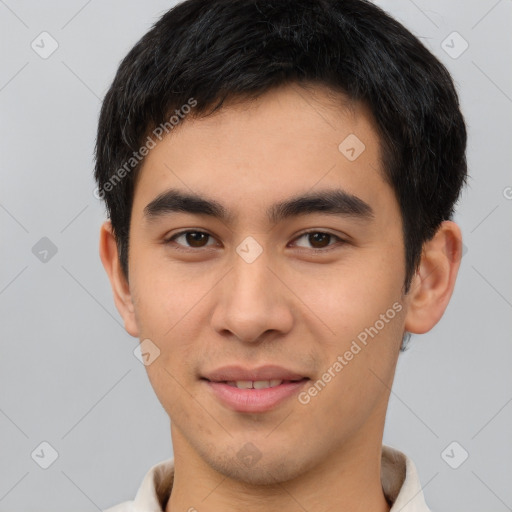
(257, 384)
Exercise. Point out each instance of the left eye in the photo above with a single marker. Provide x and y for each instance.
(319, 239)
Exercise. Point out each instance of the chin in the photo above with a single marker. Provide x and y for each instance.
(261, 472)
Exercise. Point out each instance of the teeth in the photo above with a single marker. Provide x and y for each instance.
(243, 384)
(261, 384)
(257, 384)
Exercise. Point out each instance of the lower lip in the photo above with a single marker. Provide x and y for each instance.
(254, 400)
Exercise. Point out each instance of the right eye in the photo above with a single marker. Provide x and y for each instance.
(195, 240)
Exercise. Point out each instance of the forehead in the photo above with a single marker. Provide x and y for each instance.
(254, 153)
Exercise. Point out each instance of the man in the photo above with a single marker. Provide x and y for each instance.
(280, 179)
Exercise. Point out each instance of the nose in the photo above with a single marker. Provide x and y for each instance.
(252, 303)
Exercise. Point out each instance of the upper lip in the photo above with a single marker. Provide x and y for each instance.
(237, 373)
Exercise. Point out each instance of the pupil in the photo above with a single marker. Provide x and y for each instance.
(315, 237)
(194, 239)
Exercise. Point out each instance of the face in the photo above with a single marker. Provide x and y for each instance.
(313, 288)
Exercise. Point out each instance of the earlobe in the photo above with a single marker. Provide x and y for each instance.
(434, 282)
(120, 288)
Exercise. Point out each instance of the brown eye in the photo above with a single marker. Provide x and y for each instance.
(190, 239)
(319, 240)
(196, 238)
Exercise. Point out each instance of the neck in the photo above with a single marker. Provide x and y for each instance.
(348, 479)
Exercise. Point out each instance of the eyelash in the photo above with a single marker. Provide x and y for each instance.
(178, 247)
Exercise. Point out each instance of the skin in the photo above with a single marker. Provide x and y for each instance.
(292, 306)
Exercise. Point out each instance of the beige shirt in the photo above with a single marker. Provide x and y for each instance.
(399, 479)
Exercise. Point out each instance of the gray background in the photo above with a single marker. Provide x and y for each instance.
(68, 375)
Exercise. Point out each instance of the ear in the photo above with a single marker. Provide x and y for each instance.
(120, 288)
(433, 283)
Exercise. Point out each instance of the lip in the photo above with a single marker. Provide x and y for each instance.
(254, 400)
(266, 372)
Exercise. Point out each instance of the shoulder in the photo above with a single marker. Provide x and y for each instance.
(153, 492)
(400, 482)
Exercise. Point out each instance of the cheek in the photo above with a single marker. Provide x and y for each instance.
(165, 294)
(349, 298)
(170, 388)
(363, 374)
(364, 316)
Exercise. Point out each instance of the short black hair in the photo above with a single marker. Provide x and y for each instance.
(206, 52)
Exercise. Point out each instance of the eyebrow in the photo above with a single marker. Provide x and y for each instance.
(329, 201)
